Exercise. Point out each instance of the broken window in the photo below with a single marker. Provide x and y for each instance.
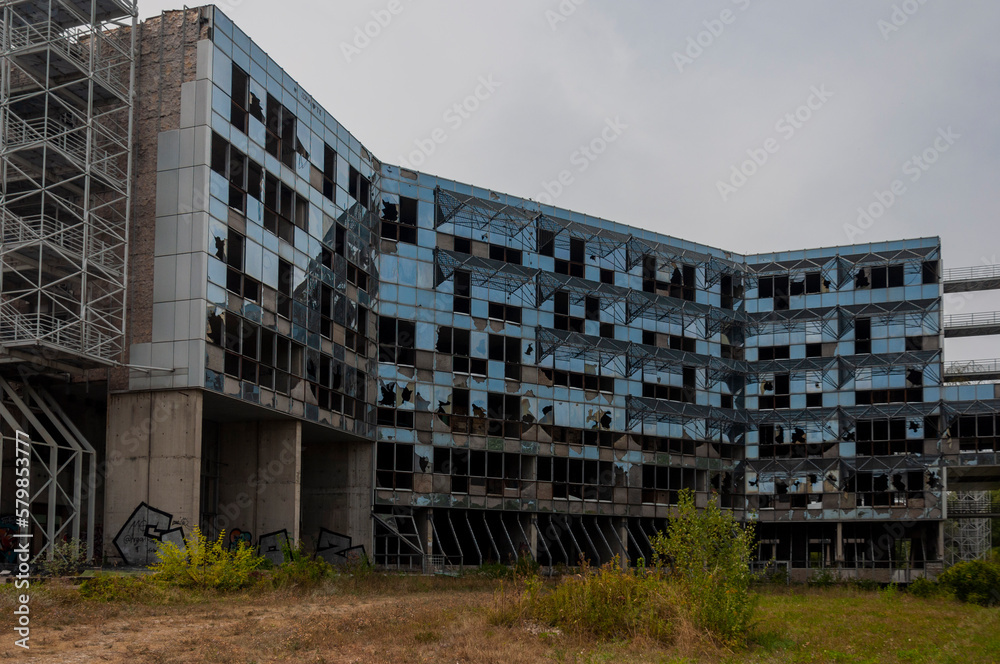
(885, 437)
(546, 242)
(286, 276)
(357, 276)
(244, 175)
(394, 466)
(242, 348)
(673, 341)
(400, 224)
(776, 287)
(499, 252)
(329, 173)
(583, 381)
(281, 140)
(730, 289)
(462, 302)
(242, 100)
(283, 209)
(766, 353)
(456, 342)
(396, 341)
(236, 281)
(575, 265)
(463, 245)
(681, 284)
(607, 276)
(879, 276)
(504, 415)
(562, 320)
(929, 272)
(862, 336)
(775, 392)
(506, 312)
(359, 187)
(506, 350)
(975, 433)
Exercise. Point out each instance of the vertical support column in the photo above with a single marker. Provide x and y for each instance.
(238, 466)
(840, 544)
(533, 536)
(623, 538)
(278, 478)
(153, 457)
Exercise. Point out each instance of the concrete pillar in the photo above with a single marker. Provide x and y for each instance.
(259, 482)
(840, 544)
(337, 489)
(623, 538)
(533, 536)
(278, 478)
(154, 457)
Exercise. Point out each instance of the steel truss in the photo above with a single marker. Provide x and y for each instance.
(968, 539)
(67, 82)
(63, 467)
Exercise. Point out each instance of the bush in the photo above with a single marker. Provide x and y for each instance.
(609, 602)
(707, 555)
(976, 581)
(203, 565)
(115, 588)
(822, 578)
(300, 569)
(69, 559)
(924, 588)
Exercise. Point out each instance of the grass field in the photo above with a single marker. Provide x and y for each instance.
(426, 619)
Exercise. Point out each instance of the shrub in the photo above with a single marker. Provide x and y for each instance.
(707, 555)
(922, 587)
(609, 602)
(822, 578)
(206, 565)
(115, 588)
(69, 559)
(300, 569)
(976, 581)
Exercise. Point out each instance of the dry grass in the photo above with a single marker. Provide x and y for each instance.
(423, 619)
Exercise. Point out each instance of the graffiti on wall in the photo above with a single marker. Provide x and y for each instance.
(337, 549)
(142, 533)
(272, 546)
(237, 537)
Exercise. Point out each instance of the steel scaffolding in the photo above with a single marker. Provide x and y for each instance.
(67, 83)
(968, 539)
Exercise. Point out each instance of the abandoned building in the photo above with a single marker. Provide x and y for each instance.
(219, 309)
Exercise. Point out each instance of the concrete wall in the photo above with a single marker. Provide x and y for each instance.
(259, 481)
(336, 490)
(153, 457)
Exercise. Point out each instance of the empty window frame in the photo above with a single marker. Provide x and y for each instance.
(862, 336)
(498, 252)
(682, 281)
(776, 287)
(673, 341)
(244, 174)
(236, 281)
(503, 412)
(394, 466)
(775, 392)
(280, 140)
(583, 381)
(879, 276)
(685, 393)
(462, 301)
(396, 341)
(456, 342)
(245, 103)
(575, 266)
(562, 320)
(284, 209)
(507, 350)
(242, 348)
(885, 437)
(976, 433)
(286, 277)
(399, 222)
(505, 312)
(359, 187)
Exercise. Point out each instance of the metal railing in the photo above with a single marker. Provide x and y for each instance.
(72, 238)
(979, 506)
(971, 368)
(972, 273)
(972, 320)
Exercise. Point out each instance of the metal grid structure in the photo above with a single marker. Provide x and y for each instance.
(67, 83)
(968, 538)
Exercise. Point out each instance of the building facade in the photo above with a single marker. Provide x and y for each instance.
(315, 345)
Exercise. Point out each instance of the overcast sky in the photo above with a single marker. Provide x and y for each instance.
(835, 99)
